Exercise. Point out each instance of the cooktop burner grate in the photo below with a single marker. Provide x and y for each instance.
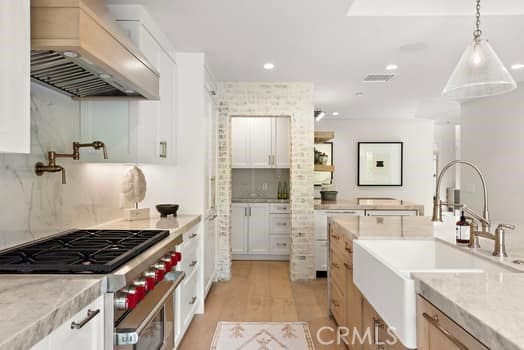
(83, 251)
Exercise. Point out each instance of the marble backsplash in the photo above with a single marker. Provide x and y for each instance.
(34, 206)
(258, 183)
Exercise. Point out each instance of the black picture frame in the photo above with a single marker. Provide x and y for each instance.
(359, 170)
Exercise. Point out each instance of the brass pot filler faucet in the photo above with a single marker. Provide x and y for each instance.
(52, 167)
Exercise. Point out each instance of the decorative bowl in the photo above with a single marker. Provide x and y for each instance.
(167, 209)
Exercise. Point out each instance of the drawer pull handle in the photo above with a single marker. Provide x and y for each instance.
(435, 322)
(90, 315)
(193, 263)
(193, 300)
(349, 267)
(193, 235)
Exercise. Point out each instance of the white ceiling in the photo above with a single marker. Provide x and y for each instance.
(312, 40)
(433, 7)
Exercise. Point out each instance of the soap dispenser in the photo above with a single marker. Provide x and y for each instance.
(463, 230)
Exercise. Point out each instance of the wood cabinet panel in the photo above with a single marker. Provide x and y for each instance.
(435, 331)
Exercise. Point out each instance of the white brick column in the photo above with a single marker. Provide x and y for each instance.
(293, 100)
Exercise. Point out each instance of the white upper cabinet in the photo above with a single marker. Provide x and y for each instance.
(15, 113)
(259, 142)
(280, 143)
(240, 142)
(137, 131)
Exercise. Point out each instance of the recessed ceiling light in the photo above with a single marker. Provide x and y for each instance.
(517, 66)
(105, 76)
(391, 67)
(70, 54)
(335, 113)
(129, 91)
(269, 66)
(359, 93)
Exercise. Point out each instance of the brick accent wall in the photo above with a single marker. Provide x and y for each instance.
(270, 99)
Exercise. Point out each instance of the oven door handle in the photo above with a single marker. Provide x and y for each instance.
(127, 331)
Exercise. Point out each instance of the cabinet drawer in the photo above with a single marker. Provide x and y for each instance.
(280, 245)
(280, 223)
(436, 331)
(192, 234)
(89, 337)
(337, 305)
(188, 299)
(190, 255)
(280, 208)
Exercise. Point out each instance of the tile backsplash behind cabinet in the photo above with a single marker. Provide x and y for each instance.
(258, 183)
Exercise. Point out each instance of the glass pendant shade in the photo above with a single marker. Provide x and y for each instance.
(479, 73)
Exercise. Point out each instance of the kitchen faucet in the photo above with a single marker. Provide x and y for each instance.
(52, 167)
(499, 236)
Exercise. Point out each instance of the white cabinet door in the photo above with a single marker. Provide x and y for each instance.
(281, 142)
(15, 114)
(239, 229)
(89, 337)
(167, 114)
(240, 142)
(258, 231)
(209, 252)
(261, 142)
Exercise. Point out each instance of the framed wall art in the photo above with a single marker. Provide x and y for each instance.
(380, 163)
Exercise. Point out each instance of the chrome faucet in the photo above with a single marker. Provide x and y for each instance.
(52, 167)
(499, 236)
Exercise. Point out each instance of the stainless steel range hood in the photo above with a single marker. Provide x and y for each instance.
(78, 49)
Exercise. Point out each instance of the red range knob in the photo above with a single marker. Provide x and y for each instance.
(150, 277)
(131, 298)
(168, 263)
(177, 256)
(141, 288)
(160, 271)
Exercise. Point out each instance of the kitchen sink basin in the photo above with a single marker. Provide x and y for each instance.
(382, 271)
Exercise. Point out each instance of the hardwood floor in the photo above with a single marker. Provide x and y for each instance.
(261, 291)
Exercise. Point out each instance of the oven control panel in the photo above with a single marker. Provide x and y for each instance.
(129, 297)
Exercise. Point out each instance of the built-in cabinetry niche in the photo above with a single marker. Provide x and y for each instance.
(137, 130)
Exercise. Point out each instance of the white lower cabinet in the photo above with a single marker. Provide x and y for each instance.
(189, 294)
(260, 230)
(90, 336)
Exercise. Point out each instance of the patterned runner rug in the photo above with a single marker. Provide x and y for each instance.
(262, 336)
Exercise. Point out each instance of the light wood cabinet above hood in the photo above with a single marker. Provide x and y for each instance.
(78, 49)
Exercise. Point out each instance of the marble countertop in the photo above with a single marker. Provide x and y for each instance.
(178, 225)
(384, 227)
(489, 306)
(33, 306)
(259, 200)
(369, 204)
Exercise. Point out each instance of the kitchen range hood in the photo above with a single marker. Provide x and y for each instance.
(78, 49)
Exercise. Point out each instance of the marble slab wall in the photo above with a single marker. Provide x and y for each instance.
(33, 206)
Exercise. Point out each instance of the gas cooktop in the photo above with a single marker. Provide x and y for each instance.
(83, 251)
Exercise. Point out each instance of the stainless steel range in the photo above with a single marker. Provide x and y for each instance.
(139, 266)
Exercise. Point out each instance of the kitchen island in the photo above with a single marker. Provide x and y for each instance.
(481, 309)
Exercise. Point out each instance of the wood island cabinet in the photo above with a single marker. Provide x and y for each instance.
(348, 306)
(435, 331)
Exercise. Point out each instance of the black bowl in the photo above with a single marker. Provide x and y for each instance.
(167, 209)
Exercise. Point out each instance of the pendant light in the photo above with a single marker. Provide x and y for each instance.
(479, 73)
